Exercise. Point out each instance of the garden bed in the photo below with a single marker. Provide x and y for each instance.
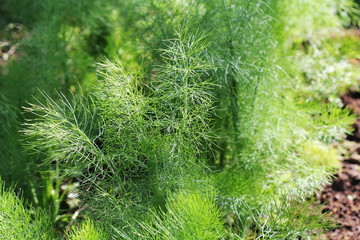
(342, 197)
(164, 127)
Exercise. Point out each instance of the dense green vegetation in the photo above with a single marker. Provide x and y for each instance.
(133, 119)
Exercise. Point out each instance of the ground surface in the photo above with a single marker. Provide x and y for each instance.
(342, 197)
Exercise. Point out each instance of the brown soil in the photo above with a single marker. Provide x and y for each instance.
(342, 197)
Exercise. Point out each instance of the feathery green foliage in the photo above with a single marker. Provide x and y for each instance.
(19, 222)
(72, 124)
(86, 231)
(292, 219)
(188, 134)
(191, 215)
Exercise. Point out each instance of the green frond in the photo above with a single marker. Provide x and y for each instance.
(86, 231)
(66, 131)
(19, 222)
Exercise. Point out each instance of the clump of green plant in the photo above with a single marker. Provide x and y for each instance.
(57, 53)
(320, 63)
(18, 221)
(292, 219)
(324, 76)
(207, 138)
(86, 231)
(309, 22)
(188, 215)
(145, 140)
